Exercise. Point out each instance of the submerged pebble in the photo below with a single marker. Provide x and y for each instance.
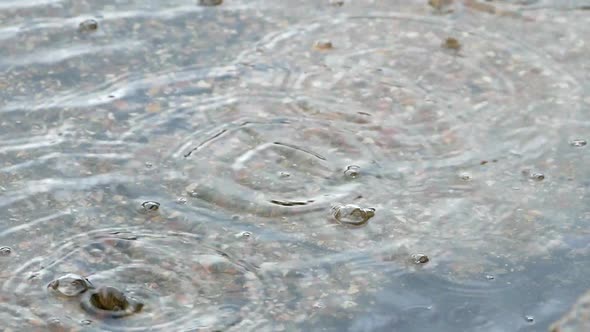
(210, 2)
(5, 251)
(150, 206)
(109, 302)
(351, 214)
(578, 143)
(352, 171)
(88, 25)
(70, 285)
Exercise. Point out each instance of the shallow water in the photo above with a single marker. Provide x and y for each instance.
(244, 120)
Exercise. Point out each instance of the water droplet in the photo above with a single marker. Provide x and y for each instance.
(70, 285)
(284, 174)
(465, 176)
(5, 251)
(420, 259)
(578, 143)
(529, 319)
(490, 277)
(323, 45)
(150, 206)
(210, 2)
(181, 200)
(88, 25)
(352, 171)
(244, 235)
(352, 214)
(148, 164)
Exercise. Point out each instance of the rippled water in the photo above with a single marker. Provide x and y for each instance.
(457, 134)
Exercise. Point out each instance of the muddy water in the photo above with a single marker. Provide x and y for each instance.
(192, 155)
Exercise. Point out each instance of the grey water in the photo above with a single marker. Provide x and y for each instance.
(294, 165)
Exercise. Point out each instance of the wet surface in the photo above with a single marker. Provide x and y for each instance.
(193, 165)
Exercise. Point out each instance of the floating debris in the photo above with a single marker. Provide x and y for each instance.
(452, 44)
(336, 3)
(70, 285)
(210, 2)
(352, 171)
(5, 251)
(578, 143)
(529, 319)
(420, 259)
(88, 26)
(351, 214)
(181, 200)
(323, 45)
(490, 277)
(150, 206)
(109, 302)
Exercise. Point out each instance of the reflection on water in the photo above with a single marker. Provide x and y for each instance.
(294, 165)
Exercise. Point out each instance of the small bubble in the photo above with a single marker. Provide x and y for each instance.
(54, 323)
(323, 45)
(181, 200)
(210, 2)
(284, 175)
(465, 176)
(352, 215)
(5, 251)
(244, 235)
(88, 25)
(578, 143)
(150, 206)
(420, 259)
(490, 277)
(352, 171)
(318, 305)
(148, 164)
(529, 319)
(536, 176)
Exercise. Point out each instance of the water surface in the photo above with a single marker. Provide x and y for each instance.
(244, 120)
